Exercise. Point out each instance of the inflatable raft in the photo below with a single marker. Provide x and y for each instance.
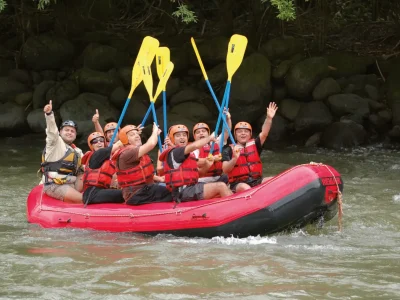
(301, 195)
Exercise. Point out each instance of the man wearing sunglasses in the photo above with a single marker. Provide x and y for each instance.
(61, 160)
(99, 172)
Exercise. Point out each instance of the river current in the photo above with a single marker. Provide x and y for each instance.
(361, 262)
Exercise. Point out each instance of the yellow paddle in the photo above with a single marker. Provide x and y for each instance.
(147, 49)
(162, 61)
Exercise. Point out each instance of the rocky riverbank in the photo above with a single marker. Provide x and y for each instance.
(336, 100)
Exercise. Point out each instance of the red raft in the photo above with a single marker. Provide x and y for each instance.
(299, 196)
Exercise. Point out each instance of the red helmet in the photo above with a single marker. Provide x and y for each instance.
(177, 128)
(122, 135)
(110, 126)
(201, 125)
(243, 125)
(93, 136)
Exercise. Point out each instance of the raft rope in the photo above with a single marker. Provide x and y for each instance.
(181, 211)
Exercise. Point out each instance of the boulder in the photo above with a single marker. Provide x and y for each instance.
(12, 119)
(304, 76)
(10, 88)
(97, 82)
(289, 108)
(22, 76)
(195, 111)
(378, 123)
(340, 135)
(188, 94)
(62, 92)
(24, 99)
(372, 92)
(280, 71)
(216, 75)
(347, 64)
(279, 93)
(375, 105)
(342, 104)
(278, 130)
(212, 51)
(6, 66)
(39, 94)
(37, 121)
(103, 57)
(82, 108)
(282, 47)
(136, 112)
(393, 93)
(47, 52)
(325, 88)
(251, 88)
(49, 75)
(314, 140)
(312, 116)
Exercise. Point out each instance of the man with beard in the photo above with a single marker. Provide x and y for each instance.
(109, 128)
(61, 160)
(242, 162)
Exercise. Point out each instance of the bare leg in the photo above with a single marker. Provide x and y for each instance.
(242, 187)
(216, 189)
(72, 195)
(267, 178)
(79, 183)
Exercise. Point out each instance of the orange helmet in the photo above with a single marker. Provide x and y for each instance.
(243, 125)
(176, 128)
(122, 135)
(201, 125)
(93, 136)
(110, 126)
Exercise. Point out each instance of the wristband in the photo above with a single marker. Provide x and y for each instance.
(48, 114)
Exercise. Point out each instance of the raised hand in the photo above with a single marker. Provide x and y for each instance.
(236, 151)
(48, 108)
(227, 113)
(212, 137)
(96, 117)
(156, 129)
(271, 110)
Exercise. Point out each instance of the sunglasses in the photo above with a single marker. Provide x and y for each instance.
(97, 140)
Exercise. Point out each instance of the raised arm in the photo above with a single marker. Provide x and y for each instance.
(227, 166)
(271, 110)
(95, 120)
(151, 142)
(51, 126)
(199, 143)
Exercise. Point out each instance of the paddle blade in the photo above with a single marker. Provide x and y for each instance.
(163, 80)
(147, 51)
(236, 49)
(147, 77)
(196, 51)
(162, 59)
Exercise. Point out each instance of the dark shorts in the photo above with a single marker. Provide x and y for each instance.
(150, 193)
(190, 193)
(252, 183)
(95, 195)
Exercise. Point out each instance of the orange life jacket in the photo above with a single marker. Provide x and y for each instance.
(248, 165)
(186, 174)
(100, 177)
(216, 167)
(142, 173)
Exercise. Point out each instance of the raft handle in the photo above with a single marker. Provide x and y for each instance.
(203, 216)
(64, 221)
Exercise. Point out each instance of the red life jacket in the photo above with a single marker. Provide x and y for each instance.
(186, 174)
(86, 157)
(142, 173)
(216, 167)
(98, 177)
(248, 165)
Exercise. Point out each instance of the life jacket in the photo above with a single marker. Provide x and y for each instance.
(248, 165)
(100, 177)
(142, 173)
(186, 174)
(216, 167)
(86, 157)
(69, 164)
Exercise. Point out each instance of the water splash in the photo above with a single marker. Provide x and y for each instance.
(251, 240)
(396, 198)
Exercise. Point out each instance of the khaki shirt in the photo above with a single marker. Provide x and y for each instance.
(56, 147)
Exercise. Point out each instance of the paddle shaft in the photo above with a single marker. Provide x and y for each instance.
(164, 95)
(120, 121)
(155, 121)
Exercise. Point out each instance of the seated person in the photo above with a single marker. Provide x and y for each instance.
(99, 172)
(181, 171)
(135, 170)
(242, 162)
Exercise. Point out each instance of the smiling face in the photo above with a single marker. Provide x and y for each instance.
(97, 143)
(68, 134)
(201, 133)
(181, 138)
(242, 135)
(134, 138)
(109, 135)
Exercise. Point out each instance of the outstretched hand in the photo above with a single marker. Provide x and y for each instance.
(96, 117)
(48, 108)
(271, 110)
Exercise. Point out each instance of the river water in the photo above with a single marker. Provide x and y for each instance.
(362, 261)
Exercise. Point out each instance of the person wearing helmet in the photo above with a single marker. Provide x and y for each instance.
(181, 171)
(211, 166)
(108, 129)
(61, 160)
(242, 162)
(99, 172)
(135, 170)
